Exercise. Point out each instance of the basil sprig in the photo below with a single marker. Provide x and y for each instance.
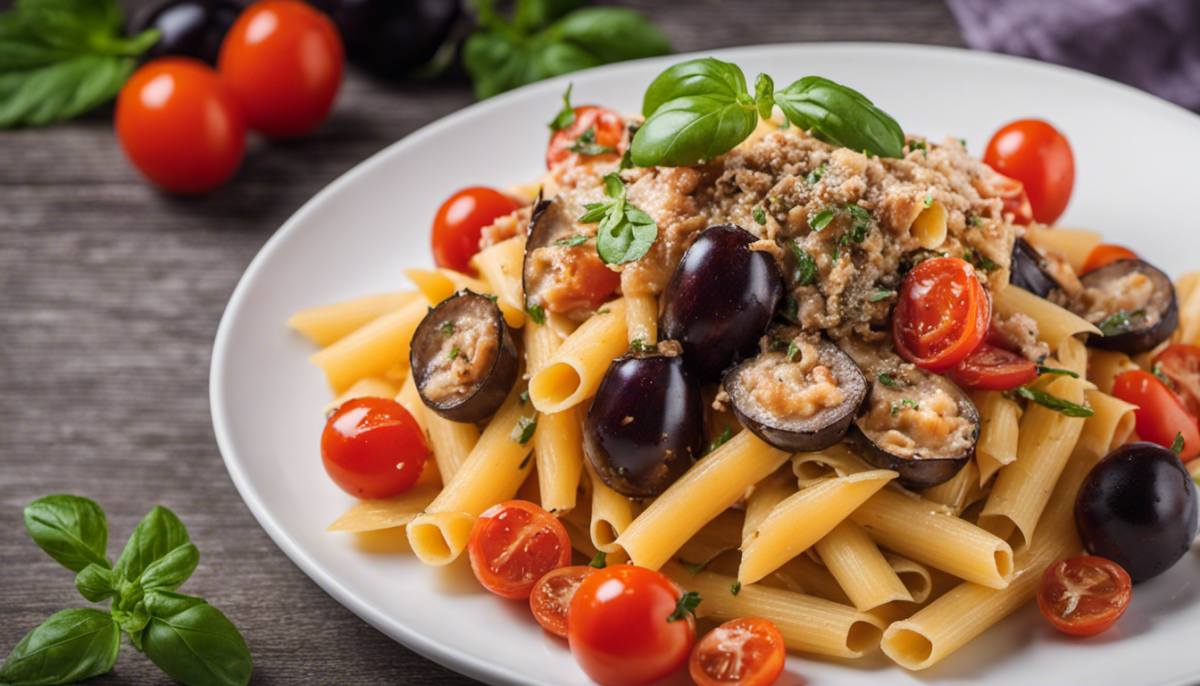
(548, 38)
(699, 109)
(61, 58)
(625, 232)
(184, 636)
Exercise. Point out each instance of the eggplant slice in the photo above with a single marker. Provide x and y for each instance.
(1030, 270)
(915, 422)
(1132, 302)
(803, 398)
(556, 243)
(464, 360)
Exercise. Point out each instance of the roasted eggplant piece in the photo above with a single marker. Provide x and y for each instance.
(646, 424)
(552, 225)
(464, 360)
(803, 398)
(720, 299)
(1132, 302)
(915, 422)
(1030, 271)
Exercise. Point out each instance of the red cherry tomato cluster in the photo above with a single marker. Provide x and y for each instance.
(183, 125)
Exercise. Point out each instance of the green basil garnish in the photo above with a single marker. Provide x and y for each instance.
(625, 232)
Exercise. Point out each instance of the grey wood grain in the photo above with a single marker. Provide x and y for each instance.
(110, 295)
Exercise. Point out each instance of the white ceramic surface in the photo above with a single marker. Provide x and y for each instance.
(1137, 182)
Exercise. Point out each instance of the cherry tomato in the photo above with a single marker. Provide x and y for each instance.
(744, 652)
(623, 629)
(1036, 154)
(1161, 415)
(942, 314)
(460, 222)
(373, 448)
(283, 61)
(990, 368)
(514, 544)
(1016, 201)
(180, 126)
(1106, 254)
(608, 131)
(552, 596)
(1180, 363)
(1084, 595)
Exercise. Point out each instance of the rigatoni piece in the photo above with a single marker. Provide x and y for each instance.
(705, 491)
(803, 519)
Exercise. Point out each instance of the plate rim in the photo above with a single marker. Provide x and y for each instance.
(449, 656)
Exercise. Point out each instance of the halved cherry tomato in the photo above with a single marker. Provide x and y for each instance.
(283, 61)
(514, 544)
(1016, 200)
(1106, 254)
(180, 126)
(1036, 154)
(607, 131)
(1180, 363)
(373, 448)
(1084, 595)
(460, 222)
(552, 596)
(992, 369)
(623, 629)
(1161, 415)
(743, 652)
(942, 314)
(576, 278)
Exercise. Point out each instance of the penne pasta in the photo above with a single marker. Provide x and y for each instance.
(960, 491)
(1054, 323)
(1074, 244)
(999, 418)
(369, 387)
(929, 228)
(641, 318)
(328, 324)
(836, 460)
(860, 569)
(1105, 365)
(399, 510)
(721, 535)
(411, 401)
(372, 349)
(612, 513)
(767, 494)
(451, 442)
(705, 491)
(574, 371)
(803, 519)
(501, 267)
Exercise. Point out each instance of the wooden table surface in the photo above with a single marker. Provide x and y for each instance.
(110, 295)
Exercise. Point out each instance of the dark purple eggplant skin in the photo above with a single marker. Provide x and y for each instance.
(1137, 507)
(1145, 338)
(645, 426)
(818, 432)
(918, 473)
(392, 38)
(720, 300)
(491, 391)
(1029, 270)
(190, 28)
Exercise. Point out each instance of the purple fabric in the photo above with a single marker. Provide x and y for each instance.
(1151, 44)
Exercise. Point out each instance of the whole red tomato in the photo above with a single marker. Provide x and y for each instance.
(1036, 154)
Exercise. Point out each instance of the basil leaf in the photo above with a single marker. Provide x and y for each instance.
(841, 116)
(96, 583)
(71, 529)
(764, 88)
(70, 646)
(170, 571)
(134, 621)
(610, 34)
(193, 642)
(806, 266)
(496, 63)
(74, 24)
(595, 212)
(61, 90)
(158, 537)
(613, 186)
(20, 48)
(557, 58)
(531, 15)
(692, 129)
(704, 76)
(1053, 402)
(565, 116)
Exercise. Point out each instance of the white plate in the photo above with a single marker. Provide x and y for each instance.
(1137, 181)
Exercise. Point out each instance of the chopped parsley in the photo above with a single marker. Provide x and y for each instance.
(907, 402)
(760, 216)
(586, 144)
(447, 328)
(1158, 372)
(821, 220)
(980, 260)
(1053, 402)
(491, 296)
(963, 142)
(1176, 446)
(625, 232)
(791, 351)
(736, 588)
(686, 605)
(815, 175)
(627, 159)
(524, 397)
(887, 380)
(455, 353)
(693, 569)
(523, 431)
(973, 220)
(573, 241)
(792, 310)
(638, 345)
(600, 561)
(565, 116)
(912, 259)
(537, 313)
(806, 266)
(603, 311)
(881, 294)
(1043, 369)
(1120, 322)
(919, 145)
(928, 200)
(720, 440)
